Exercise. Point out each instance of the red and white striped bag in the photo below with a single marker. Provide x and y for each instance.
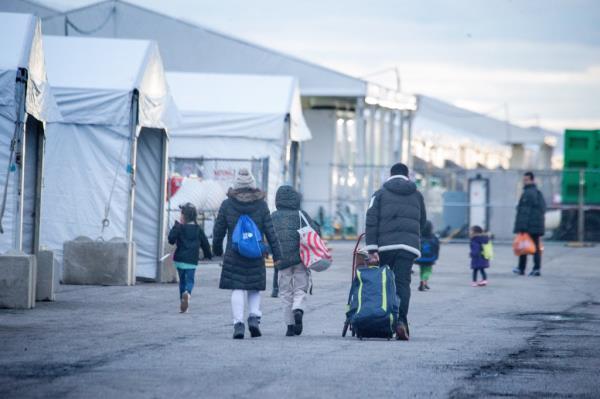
(313, 252)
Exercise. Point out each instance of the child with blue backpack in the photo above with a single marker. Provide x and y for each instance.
(430, 251)
(189, 237)
(244, 218)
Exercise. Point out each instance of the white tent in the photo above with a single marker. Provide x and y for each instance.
(25, 101)
(106, 161)
(238, 117)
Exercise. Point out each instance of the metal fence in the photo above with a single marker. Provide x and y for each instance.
(458, 198)
(205, 181)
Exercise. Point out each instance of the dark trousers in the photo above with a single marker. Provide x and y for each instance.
(276, 279)
(483, 275)
(401, 264)
(186, 280)
(537, 257)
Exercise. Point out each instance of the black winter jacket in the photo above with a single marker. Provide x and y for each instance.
(189, 238)
(286, 221)
(239, 272)
(531, 211)
(395, 217)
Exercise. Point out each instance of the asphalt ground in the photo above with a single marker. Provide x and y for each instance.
(518, 337)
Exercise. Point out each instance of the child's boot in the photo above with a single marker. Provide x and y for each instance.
(298, 313)
(185, 302)
(421, 286)
(253, 322)
(238, 331)
(290, 331)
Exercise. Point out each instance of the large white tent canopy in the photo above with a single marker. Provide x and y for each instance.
(237, 117)
(94, 80)
(21, 58)
(21, 47)
(91, 155)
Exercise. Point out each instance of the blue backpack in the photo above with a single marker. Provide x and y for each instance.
(430, 250)
(372, 304)
(247, 238)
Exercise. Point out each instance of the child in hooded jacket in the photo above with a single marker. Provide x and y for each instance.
(188, 237)
(430, 250)
(479, 262)
(293, 277)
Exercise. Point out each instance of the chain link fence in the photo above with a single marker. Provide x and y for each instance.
(204, 182)
(458, 198)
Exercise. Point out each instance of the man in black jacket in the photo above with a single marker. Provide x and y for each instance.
(395, 218)
(531, 212)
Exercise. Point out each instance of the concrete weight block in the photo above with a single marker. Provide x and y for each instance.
(17, 281)
(47, 276)
(87, 262)
(167, 272)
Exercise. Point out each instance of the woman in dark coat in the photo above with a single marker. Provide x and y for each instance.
(244, 276)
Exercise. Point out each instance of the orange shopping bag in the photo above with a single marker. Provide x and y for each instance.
(523, 245)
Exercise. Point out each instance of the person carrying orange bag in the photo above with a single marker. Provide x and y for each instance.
(529, 226)
(523, 245)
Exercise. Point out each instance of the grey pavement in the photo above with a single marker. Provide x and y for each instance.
(518, 337)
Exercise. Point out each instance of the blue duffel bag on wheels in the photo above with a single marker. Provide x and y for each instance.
(372, 303)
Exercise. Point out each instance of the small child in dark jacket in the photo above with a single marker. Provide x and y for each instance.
(430, 251)
(189, 237)
(478, 261)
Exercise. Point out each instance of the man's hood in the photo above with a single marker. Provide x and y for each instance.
(400, 185)
(287, 198)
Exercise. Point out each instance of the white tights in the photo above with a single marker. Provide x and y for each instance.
(237, 304)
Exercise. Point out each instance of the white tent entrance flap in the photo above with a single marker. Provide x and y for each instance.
(104, 160)
(25, 100)
(149, 197)
(238, 117)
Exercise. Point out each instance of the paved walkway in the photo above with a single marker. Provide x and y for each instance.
(520, 336)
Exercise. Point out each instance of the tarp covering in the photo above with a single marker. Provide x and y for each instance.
(20, 48)
(95, 85)
(237, 117)
(253, 106)
(191, 47)
(480, 125)
(88, 155)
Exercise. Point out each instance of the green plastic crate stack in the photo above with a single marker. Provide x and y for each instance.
(582, 151)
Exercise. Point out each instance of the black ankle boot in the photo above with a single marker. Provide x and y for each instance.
(290, 331)
(238, 331)
(298, 313)
(253, 322)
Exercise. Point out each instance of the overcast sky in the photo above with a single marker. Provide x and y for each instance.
(542, 57)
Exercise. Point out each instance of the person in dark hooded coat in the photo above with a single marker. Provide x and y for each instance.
(530, 217)
(395, 219)
(244, 276)
(294, 278)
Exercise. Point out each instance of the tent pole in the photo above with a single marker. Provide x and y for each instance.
(20, 157)
(164, 178)
(133, 125)
(359, 118)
